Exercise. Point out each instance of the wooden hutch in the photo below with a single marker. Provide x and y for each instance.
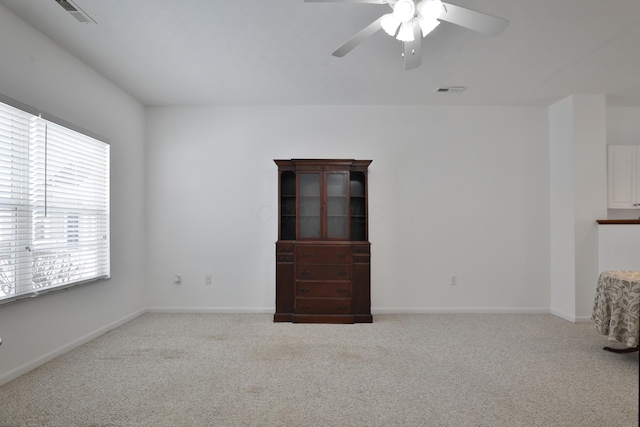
(323, 251)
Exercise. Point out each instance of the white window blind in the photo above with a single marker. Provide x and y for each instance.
(54, 206)
(15, 260)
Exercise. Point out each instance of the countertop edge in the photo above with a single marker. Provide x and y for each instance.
(618, 221)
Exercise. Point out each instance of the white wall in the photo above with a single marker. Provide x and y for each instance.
(562, 209)
(623, 125)
(453, 190)
(37, 72)
(578, 193)
(591, 194)
(623, 128)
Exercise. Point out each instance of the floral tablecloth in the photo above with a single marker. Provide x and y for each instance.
(616, 308)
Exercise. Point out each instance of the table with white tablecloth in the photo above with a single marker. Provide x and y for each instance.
(616, 308)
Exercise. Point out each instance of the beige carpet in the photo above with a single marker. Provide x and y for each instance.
(402, 370)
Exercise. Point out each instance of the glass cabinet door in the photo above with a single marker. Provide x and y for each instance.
(310, 224)
(337, 205)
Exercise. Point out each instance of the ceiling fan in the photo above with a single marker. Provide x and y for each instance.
(410, 20)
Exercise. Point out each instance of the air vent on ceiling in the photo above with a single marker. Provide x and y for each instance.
(75, 11)
(450, 89)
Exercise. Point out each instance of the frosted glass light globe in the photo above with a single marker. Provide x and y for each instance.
(430, 9)
(404, 10)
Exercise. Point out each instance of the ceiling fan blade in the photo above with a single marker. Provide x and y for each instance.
(364, 34)
(412, 50)
(348, 1)
(476, 21)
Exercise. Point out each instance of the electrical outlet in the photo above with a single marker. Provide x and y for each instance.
(454, 280)
(207, 279)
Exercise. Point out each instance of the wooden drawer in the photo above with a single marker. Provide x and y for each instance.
(323, 272)
(284, 257)
(322, 306)
(361, 259)
(361, 249)
(328, 254)
(327, 290)
(284, 248)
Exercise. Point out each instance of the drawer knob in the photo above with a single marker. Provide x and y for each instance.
(342, 255)
(305, 307)
(342, 291)
(305, 289)
(341, 273)
(305, 273)
(305, 254)
(341, 307)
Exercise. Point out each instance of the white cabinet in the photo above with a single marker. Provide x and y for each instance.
(623, 170)
(619, 247)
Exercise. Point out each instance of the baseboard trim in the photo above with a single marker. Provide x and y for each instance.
(459, 310)
(563, 315)
(374, 310)
(213, 310)
(23, 369)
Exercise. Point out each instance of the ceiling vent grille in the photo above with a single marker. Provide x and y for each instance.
(450, 89)
(75, 11)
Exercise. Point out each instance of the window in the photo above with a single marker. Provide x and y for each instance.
(54, 204)
(14, 199)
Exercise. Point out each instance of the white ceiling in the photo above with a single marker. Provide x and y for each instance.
(185, 52)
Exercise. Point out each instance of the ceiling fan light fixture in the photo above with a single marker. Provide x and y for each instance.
(411, 19)
(430, 9)
(406, 32)
(390, 24)
(427, 25)
(404, 10)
